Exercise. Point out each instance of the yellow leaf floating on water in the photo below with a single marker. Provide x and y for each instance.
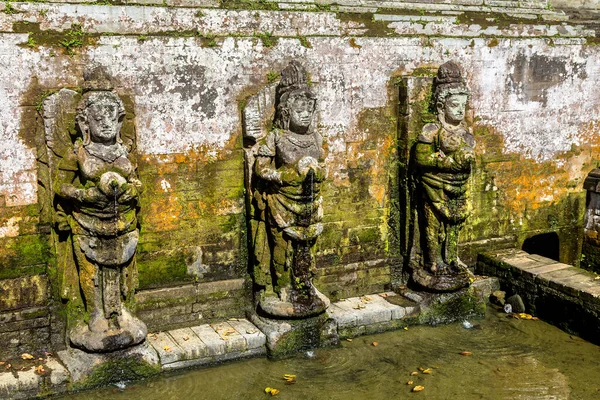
(375, 344)
(421, 369)
(414, 373)
(27, 356)
(409, 382)
(348, 339)
(406, 328)
(289, 378)
(418, 388)
(465, 353)
(428, 371)
(271, 391)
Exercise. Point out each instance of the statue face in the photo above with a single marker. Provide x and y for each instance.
(103, 120)
(301, 113)
(454, 108)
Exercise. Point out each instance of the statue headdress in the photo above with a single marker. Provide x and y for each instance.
(293, 82)
(449, 81)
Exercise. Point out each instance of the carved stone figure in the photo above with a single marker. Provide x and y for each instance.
(444, 156)
(286, 177)
(96, 199)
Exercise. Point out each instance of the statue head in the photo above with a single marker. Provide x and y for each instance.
(295, 103)
(451, 93)
(100, 117)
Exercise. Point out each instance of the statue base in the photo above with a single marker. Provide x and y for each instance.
(448, 282)
(299, 305)
(90, 370)
(131, 331)
(288, 336)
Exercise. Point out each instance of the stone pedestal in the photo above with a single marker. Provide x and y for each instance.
(288, 336)
(98, 369)
(443, 308)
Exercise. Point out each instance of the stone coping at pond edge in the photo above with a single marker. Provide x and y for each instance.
(238, 338)
(562, 294)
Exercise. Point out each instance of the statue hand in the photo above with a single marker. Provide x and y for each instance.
(307, 163)
(128, 193)
(95, 196)
(290, 177)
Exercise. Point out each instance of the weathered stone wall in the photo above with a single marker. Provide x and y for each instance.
(185, 74)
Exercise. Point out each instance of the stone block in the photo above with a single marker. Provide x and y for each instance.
(29, 381)
(233, 340)
(59, 373)
(254, 337)
(343, 318)
(29, 291)
(166, 347)
(367, 311)
(9, 384)
(190, 343)
(215, 345)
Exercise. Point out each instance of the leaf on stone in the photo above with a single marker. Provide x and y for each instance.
(229, 331)
(7, 366)
(2, 362)
(418, 388)
(233, 319)
(186, 338)
(465, 353)
(384, 295)
(27, 356)
(40, 370)
(167, 349)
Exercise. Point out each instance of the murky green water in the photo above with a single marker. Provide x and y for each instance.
(511, 359)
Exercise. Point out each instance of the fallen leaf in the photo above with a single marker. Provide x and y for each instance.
(535, 318)
(7, 366)
(2, 362)
(268, 389)
(406, 328)
(358, 307)
(274, 392)
(289, 376)
(251, 331)
(428, 371)
(597, 277)
(27, 356)
(436, 366)
(414, 373)
(465, 353)
(233, 319)
(40, 359)
(167, 349)
(40, 369)
(384, 295)
(375, 344)
(418, 388)
(186, 338)
(420, 368)
(409, 382)
(348, 340)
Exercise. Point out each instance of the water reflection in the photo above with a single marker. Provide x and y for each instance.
(512, 359)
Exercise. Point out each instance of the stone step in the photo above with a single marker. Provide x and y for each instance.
(208, 343)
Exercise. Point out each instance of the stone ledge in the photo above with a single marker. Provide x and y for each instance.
(558, 293)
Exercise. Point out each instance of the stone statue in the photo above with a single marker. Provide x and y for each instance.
(286, 177)
(443, 157)
(96, 199)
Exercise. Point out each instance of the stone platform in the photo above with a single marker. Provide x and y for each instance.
(239, 338)
(561, 294)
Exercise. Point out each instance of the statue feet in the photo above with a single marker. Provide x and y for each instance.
(442, 277)
(293, 303)
(101, 335)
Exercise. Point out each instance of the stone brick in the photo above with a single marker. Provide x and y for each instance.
(167, 349)
(190, 343)
(232, 338)
(254, 338)
(214, 344)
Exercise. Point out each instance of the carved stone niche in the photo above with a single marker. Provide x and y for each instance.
(94, 191)
(436, 157)
(284, 170)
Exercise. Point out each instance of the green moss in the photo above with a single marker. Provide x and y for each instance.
(272, 77)
(69, 40)
(267, 38)
(162, 269)
(118, 370)
(424, 71)
(304, 42)
(493, 42)
(250, 5)
(9, 9)
(451, 307)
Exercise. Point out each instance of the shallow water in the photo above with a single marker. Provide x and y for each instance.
(511, 359)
